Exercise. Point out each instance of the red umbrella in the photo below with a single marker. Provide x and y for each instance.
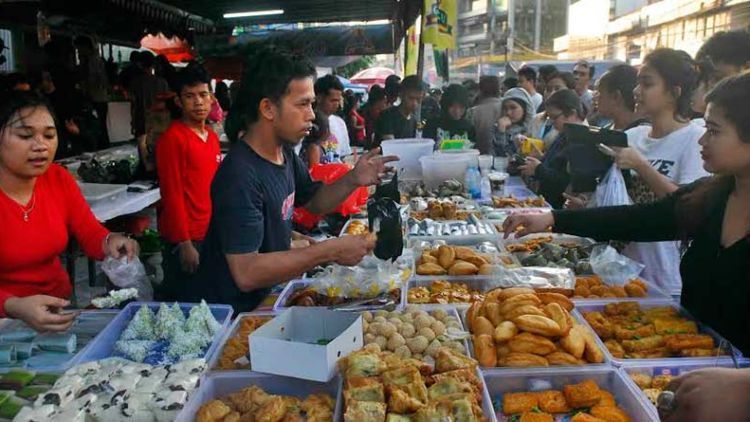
(175, 49)
(372, 76)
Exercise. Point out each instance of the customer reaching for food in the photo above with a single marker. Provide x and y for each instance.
(713, 212)
(248, 246)
(41, 207)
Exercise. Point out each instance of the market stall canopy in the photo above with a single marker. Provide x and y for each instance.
(297, 10)
(123, 21)
(372, 76)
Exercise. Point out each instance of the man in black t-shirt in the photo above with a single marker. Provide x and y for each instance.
(247, 248)
(399, 122)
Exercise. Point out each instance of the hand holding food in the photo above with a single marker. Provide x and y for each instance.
(349, 250)
(532, 223)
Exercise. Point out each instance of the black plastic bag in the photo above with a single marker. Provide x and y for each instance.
(388, 190)
(384, 219)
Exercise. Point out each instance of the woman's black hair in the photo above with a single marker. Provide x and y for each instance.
(695, 207)
(16, 101)
(567, 101)
(454, 94)
(622, 78)
(568, 79)
(267, 74)
(677, 69)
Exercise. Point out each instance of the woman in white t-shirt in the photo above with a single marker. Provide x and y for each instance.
(662, 156)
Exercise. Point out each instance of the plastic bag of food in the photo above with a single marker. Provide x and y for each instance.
(370, 278)
(125, 274)
(534, 277)
(612, 267)
(612, 190)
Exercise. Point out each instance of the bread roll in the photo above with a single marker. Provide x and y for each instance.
(484, 350)
(575, 342)
(505, 331)
(531, 343)
(446, 256)
(537, 325)
(524, 360)
(482, 325)
(561, 300)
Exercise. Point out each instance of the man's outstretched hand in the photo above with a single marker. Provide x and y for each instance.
(371, 168)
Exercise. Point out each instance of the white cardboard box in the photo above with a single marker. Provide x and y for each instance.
(287, 345)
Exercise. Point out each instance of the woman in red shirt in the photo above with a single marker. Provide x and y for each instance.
(41, 206)
(356, 122)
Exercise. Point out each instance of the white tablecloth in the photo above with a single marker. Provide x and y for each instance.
(127, 203)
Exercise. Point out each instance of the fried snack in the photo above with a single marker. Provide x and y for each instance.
(575, 342)
(661, 381)
(471, 315)
(446, 256)
(584, 394)
(504, 331)
(610, 413)
(513, 202)
(514, 403)
(538, 325)
(606, 398)
(643, 381)
(553, 401)
(364, 389)
(536, 417)
(699, 353)
(237, 346)
(429, 268)
(402, 400)
(447, 360)
(585, 417)
(622, 308)
(530, 343)
(523, 310)
(635, 290)
(362, 363)
(487, 269)
(615, 348)
(658, 353)
(678, 342)
(357, 227)
(593, 354)
(506, 294)
(492, 312)
(518, 300)
(560, 316)
(601, 324)
(369, 411)
(558, 298)
(635, 333)
(674, 326)
(646, 343)
(427, 258)
(444, 292)
(523, 360)
(559, 290)
(562, 358)
(484, 349)
(482, 325)
(462, 268)
(318, 408)
(652, 394)
(215, 410)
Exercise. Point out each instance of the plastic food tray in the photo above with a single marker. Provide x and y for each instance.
(670, 367)
(84, 335)
(576, 316)
(459, 239)
(481, 283)
(610, 379)
(229, 333)
(103, 345)
(703, 329)
(219, 384)
(295, 285)
(497, 258)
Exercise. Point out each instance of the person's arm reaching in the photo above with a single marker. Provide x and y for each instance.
(253, 271)
(646, 223)
(630, 158)
(369, 170)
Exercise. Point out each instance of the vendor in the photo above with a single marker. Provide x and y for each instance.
(713, 212)
(451, 123)
(41, 207)
(400, 122)
(261, 180)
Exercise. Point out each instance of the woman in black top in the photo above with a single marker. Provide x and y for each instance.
(714, 214)
(452, 122)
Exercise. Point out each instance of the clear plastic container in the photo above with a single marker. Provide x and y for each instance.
(438, 168)
(496, 258)
(579, 319)
(528, 380)
(220, 384)
(292, 286)
(670, 367)
(653, 293)
(103, 345)
(703, 329)
(229, 333)
(409, 151)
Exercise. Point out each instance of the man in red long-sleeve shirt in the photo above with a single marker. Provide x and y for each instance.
(187, 157)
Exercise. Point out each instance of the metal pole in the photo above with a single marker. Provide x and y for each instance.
(493, 20)
(511, 30)
(538, 25)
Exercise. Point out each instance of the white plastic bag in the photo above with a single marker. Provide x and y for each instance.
(612, 191)
(126, 274)
(612, 267)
